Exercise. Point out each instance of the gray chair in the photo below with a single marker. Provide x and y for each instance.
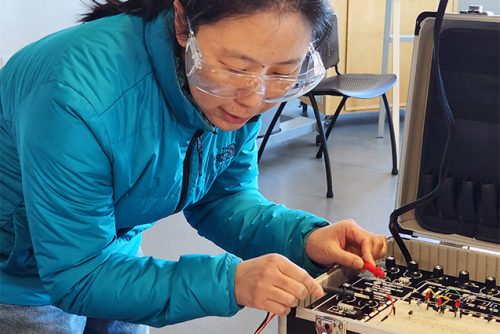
(360, 86)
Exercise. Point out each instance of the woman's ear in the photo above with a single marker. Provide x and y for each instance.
(181, 24)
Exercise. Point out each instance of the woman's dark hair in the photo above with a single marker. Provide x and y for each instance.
(200, 12)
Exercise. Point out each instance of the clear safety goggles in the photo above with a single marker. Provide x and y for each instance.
(227, 82)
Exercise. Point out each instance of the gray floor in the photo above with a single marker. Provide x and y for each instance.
(289, 174)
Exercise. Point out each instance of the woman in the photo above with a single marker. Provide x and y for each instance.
(116, 123)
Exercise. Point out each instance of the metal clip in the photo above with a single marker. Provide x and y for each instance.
(325, 325)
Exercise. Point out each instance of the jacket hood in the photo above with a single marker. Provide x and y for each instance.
(161, 46)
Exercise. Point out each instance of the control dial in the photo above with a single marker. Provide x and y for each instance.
(463, 277)
(490, 284)
(413, 270)
(390, 267)
(438, 272)
(390, 262)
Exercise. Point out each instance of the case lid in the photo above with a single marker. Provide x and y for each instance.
(467, 210)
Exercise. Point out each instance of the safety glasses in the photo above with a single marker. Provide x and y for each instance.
(227, 82)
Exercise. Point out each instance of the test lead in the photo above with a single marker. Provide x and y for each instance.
(345, 292)
(376, 271)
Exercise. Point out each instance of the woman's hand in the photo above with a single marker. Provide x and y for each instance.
(273, 283)
(345, 243)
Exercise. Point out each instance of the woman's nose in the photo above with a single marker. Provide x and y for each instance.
(252, 100)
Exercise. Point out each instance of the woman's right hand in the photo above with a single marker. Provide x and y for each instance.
(273, 283)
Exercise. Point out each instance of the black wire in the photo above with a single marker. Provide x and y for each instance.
(263, 322)
(450, 124)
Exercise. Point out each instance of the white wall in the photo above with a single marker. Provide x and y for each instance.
(491, 5)
(25, 21)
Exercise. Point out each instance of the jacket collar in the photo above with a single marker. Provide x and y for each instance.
(161, 46)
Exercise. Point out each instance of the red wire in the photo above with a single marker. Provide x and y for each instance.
(261, 328)
(392, 304)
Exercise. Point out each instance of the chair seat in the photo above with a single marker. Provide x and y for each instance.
(361, 86)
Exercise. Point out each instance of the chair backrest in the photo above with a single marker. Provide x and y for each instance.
(329, 47)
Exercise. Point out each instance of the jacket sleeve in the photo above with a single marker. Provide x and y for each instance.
(67, 181)
(238, 218)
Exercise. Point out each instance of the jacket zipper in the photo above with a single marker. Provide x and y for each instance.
(186, 167)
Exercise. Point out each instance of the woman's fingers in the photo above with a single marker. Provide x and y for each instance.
(273, 283)
(298, 279)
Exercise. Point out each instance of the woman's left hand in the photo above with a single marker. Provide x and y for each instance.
(345, 243)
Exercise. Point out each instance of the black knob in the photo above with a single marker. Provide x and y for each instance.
(390, 262)
(490, 283)
(463, 277)
(413, 267)
(369, 292)
(346, 285)
(438, 272)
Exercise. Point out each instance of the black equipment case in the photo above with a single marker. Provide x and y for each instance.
(460, 229)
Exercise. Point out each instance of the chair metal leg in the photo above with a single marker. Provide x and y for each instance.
(332, 123)
(270, 130)
(329, 192)
(393, 139)
(304, 108)
(335, 116)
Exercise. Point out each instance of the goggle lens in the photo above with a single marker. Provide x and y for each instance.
(226, 82)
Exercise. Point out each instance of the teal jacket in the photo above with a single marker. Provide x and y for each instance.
(98, 141)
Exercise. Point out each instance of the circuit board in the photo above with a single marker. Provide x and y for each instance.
(426, 298)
